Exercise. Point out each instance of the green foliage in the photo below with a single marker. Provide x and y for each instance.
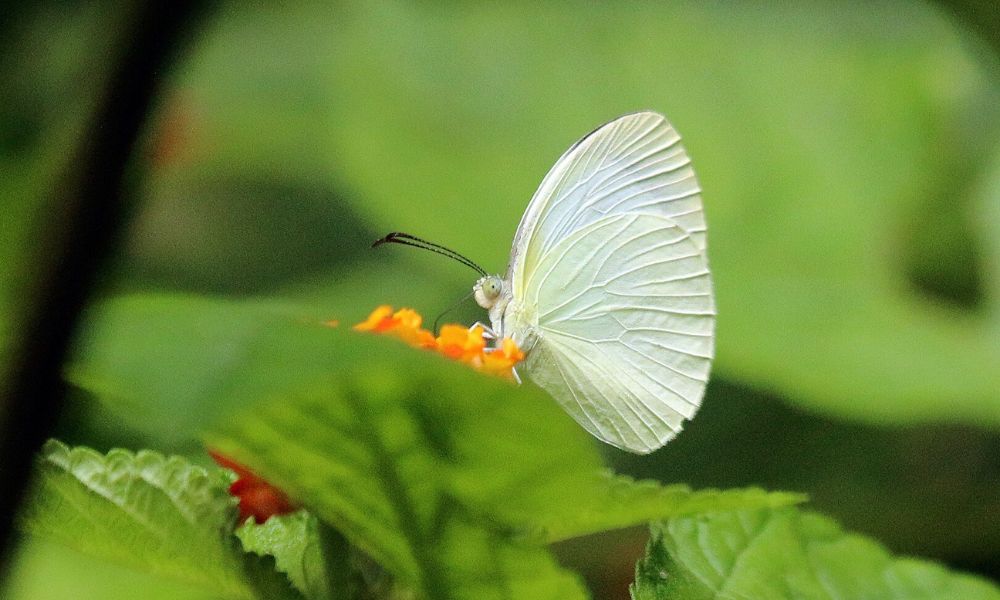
(575, 503)
(450, 479)
(831, 202)
(825, 196)
(169, 365)
(45, 569)
(782, 554)
(315, 558)
(408, 453)
(158, 514)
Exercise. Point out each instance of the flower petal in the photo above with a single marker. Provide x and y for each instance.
(455, 341)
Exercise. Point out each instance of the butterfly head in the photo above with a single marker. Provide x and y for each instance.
(487, 290)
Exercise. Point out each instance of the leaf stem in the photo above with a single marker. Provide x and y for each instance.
(431, 577)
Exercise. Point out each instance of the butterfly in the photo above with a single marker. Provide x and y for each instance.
(608, 289)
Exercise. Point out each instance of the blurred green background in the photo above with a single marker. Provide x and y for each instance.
(848, 154)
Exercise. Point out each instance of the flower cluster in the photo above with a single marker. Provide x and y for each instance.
(258, 498)
(455, 341)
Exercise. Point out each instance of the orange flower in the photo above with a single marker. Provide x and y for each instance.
(258, 498)
(501, 360)
(404, 324)
(456, 341)
(379, 321)
(461, 343)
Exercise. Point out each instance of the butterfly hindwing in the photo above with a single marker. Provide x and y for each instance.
(625, 321)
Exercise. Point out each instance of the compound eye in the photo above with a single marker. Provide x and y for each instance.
(492, 287)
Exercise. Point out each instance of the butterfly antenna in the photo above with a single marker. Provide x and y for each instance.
(398, 237)
(448, 310)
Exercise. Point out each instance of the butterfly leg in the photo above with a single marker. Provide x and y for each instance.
(488, 332)
(513, 370)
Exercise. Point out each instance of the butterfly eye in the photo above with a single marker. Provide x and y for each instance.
(492, 287)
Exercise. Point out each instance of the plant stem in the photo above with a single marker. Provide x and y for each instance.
(86, 212)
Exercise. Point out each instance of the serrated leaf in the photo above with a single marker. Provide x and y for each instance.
(293, 542)
(318, 561)
(391, 445)
(484, 564)
(604, 500)
(356, 455)
(403, 444)
(788, 554)
(154, 513)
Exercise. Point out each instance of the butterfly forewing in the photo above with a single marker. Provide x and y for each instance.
(634, 163)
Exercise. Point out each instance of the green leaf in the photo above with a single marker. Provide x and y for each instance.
(575, 504)
(298, 545)
(44, 569)
(294, 543)
(372, 454)
(487, 564)
(786, 554)
(318, 560)
(395, 447)
(152, 513)
(169, 365)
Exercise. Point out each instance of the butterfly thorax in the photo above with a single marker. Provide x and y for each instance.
(496, 295)
(516, 324)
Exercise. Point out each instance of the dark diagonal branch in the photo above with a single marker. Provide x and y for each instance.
(80, 226)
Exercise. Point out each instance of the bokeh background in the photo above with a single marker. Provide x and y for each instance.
(849, 155)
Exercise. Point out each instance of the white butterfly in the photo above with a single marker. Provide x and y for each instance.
(608, 289)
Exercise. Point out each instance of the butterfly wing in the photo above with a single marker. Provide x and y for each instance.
(634, 163)
(625, 323)
(611, 276)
